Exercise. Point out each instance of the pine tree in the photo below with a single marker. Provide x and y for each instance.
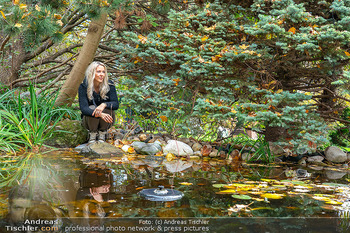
(274, 65)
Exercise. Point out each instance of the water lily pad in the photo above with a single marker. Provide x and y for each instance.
(293, 181)
(272, 195)
(335, 185)
(219, 185)
(242, 197)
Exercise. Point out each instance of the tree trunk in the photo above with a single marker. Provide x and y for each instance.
(70, 87)
(13, 56)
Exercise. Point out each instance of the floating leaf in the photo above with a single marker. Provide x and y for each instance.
(334, 202)
(272, 195)
(242, 197)
(218, 185)
(228, 191)
(321, 198)
(186, 183)
(335, 185)
(293, 181)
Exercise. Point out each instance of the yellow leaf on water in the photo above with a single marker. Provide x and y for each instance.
(186, 183)
(334, 202)
(319, 198)
(272, 195)
(227, 191)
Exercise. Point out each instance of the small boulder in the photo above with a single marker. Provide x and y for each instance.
(214, 153)
(315, 159)
(335, 154)
(104, 150)
(197, 146)
(178, 148)
(147, 148)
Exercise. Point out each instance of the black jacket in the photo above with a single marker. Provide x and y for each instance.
(84, 102)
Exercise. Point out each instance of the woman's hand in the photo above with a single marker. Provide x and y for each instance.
(98, 111)
(106, 117)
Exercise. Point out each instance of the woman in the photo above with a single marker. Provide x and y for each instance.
(97, 100)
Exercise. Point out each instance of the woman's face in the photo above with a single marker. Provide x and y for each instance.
(99, 74)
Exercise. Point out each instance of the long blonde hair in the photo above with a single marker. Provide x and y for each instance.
(90, 75)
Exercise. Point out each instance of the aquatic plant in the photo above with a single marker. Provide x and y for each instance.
(31, 119)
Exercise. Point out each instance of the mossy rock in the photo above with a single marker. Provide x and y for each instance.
(68, 133)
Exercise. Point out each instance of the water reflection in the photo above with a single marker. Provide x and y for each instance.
(95, 183)
(67, 187)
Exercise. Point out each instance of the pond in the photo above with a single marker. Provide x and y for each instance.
(81, 191)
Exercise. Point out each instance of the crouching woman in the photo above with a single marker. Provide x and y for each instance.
(97, 100)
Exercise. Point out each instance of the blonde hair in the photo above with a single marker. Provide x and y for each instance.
(90, 75)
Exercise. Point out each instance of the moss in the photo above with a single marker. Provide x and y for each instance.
(68, 133)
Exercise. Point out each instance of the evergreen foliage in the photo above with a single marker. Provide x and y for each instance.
(269, 64)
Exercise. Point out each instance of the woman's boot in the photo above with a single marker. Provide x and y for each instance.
(92, 137)
(102, 136)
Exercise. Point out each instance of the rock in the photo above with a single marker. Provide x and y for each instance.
(348, 155)
(214, 153)
(235, 155)
(147, 148)
(186, 141)
(142, 137)
(119, 136)
(276, 149)
(206, 150)
(335, 175)
(196, 146)
(104, 150)
(74, 135)
(178, 148)
(222, 154)
(246, 156)
(335, 154)
(315, 159)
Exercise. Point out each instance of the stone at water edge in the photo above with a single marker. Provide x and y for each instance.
(197, 146)
(335, 154)
(178, 148)
(315, 159)
(147, 148)
(104, 150)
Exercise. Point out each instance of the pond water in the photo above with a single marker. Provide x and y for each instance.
(68, 186)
